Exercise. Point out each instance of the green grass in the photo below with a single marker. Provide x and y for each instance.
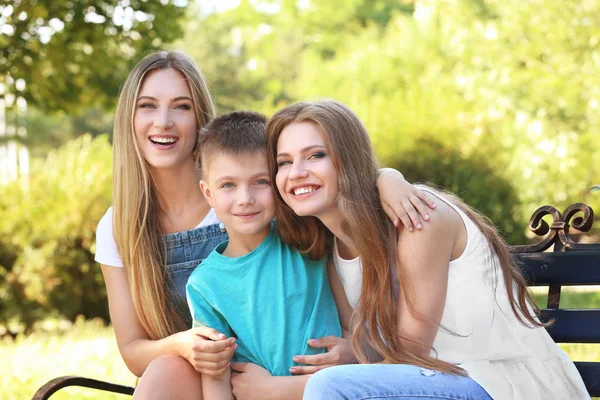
(89, 349)
(571, 297)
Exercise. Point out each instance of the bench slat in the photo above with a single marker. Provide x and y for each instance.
(573, 325)
(568, 268)
(590, 372)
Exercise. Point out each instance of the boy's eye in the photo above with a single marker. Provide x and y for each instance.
(316, 155)
(226, 185)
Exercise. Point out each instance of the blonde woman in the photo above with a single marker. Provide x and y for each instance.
(160, 228)
(439, 314)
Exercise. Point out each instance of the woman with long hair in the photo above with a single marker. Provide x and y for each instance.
(160, 228)
(440, 313)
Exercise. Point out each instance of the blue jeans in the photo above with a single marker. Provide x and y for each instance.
(389, 381)
(184, 251)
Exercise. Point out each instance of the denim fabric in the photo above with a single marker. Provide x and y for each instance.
(184, 252)
(390, 382)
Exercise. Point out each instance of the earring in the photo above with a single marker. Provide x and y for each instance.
(222, 227)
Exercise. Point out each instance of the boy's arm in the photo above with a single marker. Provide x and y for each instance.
(288, 387)
(251, 381)
(204, 314)
(202, 311)
(217, 387)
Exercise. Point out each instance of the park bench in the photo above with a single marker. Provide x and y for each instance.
(568, 263)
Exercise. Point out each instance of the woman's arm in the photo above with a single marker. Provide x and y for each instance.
(401, 201)
(203, 347)
(424, 257)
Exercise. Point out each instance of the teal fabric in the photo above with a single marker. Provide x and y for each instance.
(272, 300)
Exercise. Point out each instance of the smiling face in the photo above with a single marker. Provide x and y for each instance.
(306, 176)
(164, 121)
(239, 189)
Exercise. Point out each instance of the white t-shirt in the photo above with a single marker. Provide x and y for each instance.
(106, 248)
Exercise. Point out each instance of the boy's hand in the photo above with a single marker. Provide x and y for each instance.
(208, 350)
(249, 381)
(401, 201)
(339, 351)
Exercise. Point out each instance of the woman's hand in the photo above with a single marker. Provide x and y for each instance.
(401, 201)
(339, 351)
(250, 381)
(207, 350)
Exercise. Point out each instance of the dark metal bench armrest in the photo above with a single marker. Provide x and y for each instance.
(56, 384)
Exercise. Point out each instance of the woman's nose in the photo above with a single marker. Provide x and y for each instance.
(298, 171)
(163, 120)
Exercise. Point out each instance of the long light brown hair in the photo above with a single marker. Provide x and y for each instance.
(136, 222)
(374, 324)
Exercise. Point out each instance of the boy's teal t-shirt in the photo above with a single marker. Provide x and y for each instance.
(272, 300)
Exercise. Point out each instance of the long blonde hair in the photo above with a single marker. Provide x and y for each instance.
(374, 322)
(136, 224)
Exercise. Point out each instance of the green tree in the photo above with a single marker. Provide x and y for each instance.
(47, 240)
(481, 78)
(252, 54)
(516, 83)
(469, 177)
(65, 54)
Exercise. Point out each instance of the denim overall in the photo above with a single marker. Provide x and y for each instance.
(184, 252)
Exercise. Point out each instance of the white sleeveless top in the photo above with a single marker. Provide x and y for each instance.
(350, 273)
(480, 331)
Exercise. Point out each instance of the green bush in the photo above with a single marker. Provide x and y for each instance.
(47, 235)
(471, 178)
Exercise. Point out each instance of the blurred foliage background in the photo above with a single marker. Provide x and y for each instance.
(497, 101)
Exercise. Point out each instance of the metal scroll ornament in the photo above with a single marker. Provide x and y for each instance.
(557, 234)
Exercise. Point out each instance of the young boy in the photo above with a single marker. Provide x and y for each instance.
(254, 287)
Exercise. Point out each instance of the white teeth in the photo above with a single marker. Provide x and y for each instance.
(163, 140)
(304, 190)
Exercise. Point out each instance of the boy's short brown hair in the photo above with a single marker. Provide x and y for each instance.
(235, 133)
